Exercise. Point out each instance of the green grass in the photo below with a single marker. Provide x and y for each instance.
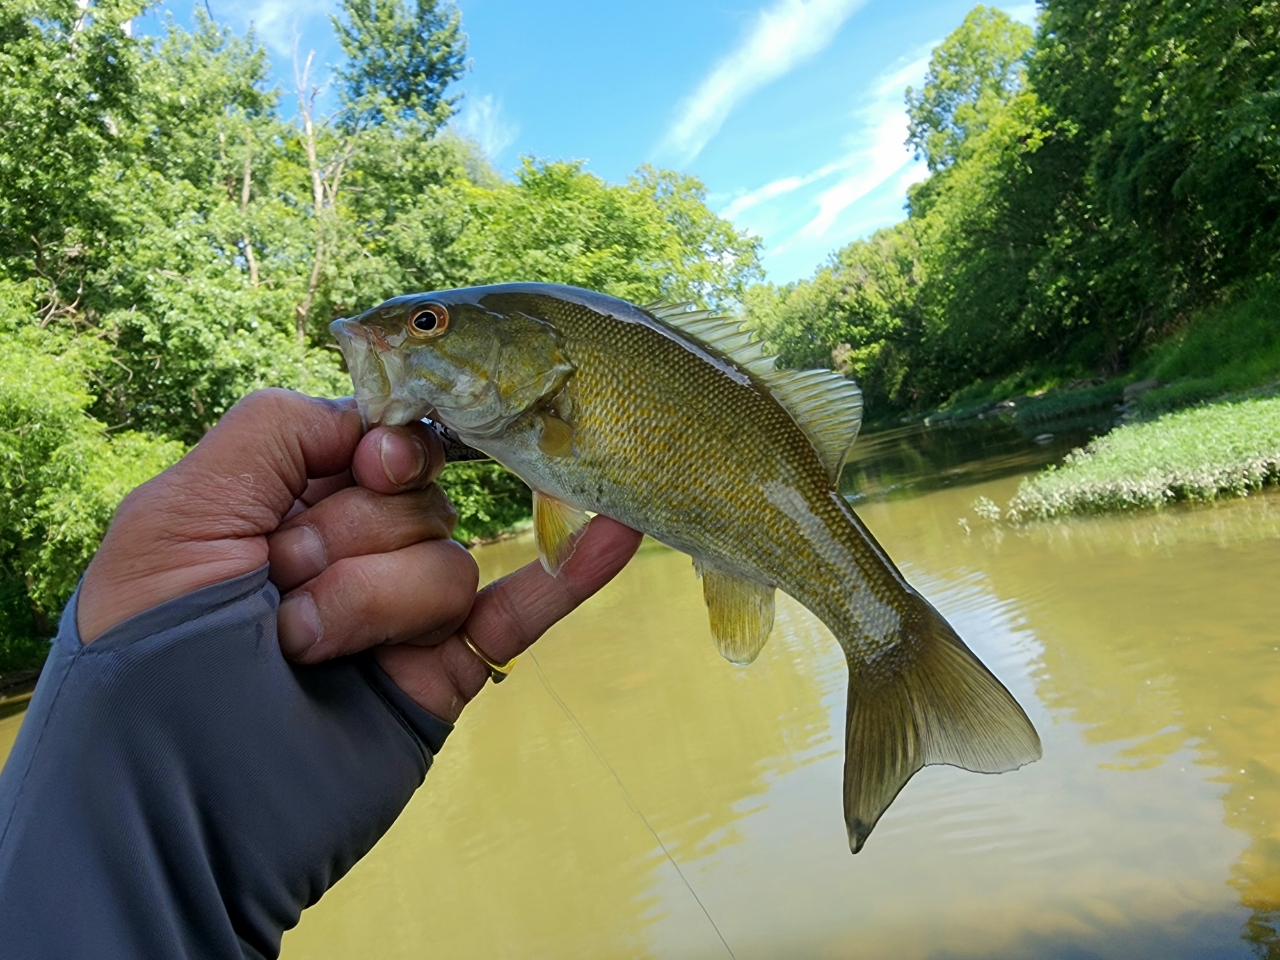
(1227, 348)
(1224, 449)
(1059, 404)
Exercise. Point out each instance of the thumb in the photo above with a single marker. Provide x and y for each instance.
(245, 474)
(205, 519)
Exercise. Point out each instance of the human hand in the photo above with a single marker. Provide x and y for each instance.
(356, 534)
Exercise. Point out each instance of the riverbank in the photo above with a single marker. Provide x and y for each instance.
(1222, 449)
(1226, 349)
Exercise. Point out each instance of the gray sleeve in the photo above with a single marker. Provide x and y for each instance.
(178, 790)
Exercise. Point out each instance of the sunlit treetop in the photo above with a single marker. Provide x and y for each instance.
(974, 72)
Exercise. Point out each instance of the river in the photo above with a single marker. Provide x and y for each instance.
(627, 793)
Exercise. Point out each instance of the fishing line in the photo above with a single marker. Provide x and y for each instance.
(630, 800)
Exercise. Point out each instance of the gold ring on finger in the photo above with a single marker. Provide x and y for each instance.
(497, 671)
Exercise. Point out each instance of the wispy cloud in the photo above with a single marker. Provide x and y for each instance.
(775, 189)
(804, 215)
(783, 36)
(882, 152)
(279, 23)
(481, 120)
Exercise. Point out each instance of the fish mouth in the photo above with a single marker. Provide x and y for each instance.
(377, 373)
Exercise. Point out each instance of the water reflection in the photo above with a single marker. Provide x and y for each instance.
(1160, 640)
(1146, 649)
(910, 460)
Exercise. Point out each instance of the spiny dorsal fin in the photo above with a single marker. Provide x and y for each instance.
(741, 613)
(556, 525)
(825, 405)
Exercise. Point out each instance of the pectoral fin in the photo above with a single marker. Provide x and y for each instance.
(741, 614)
(556, 439)
(555, 527)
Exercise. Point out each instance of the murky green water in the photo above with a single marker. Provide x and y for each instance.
(1146, 649)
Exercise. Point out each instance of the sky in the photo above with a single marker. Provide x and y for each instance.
(789, 111)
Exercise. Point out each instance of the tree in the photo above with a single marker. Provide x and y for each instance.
(651, 238)
(860, 314)
(399, 64)
(973, 73)
(68, 78)
(1179, 128)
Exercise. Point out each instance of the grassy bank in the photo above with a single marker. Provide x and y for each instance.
(1222, 449)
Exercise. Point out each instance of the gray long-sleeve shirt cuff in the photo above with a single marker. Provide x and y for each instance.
(178, 790)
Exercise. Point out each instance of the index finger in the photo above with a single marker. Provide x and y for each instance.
(508, 616)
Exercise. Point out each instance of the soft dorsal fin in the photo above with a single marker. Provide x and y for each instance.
(825, 405)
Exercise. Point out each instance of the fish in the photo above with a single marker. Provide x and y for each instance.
(679, 424)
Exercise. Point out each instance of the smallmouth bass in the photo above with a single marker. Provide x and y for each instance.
(677, 424)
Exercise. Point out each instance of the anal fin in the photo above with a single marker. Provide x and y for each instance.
(741, 613)
(927, 700)
(556, 525)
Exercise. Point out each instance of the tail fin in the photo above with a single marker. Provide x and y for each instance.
(929, 700)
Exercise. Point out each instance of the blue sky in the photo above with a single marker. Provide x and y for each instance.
(790, 111)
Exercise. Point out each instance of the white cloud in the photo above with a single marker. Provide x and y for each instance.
(481, 120)
(784, 35)
(881, 154)
(1024, 12)
(771, 191)
(804, 215)
(279, 23)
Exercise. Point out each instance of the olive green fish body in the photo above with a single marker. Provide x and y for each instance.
(674, 440)
(680, 427)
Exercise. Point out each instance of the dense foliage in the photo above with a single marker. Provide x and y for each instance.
(1093, 186)
(175, 232)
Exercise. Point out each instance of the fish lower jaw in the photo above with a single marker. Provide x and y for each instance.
(390, 411)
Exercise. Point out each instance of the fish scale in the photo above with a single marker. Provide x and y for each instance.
(677, 425)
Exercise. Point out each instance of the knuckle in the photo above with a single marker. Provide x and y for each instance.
(516, 618)
(350, 591)
(438, 505)
(459, 575)
(268, 400)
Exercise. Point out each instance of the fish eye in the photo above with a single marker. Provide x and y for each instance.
(429, 320)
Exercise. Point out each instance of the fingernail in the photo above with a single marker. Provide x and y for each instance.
(399, 470)
(298, 625)
(301, 548)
